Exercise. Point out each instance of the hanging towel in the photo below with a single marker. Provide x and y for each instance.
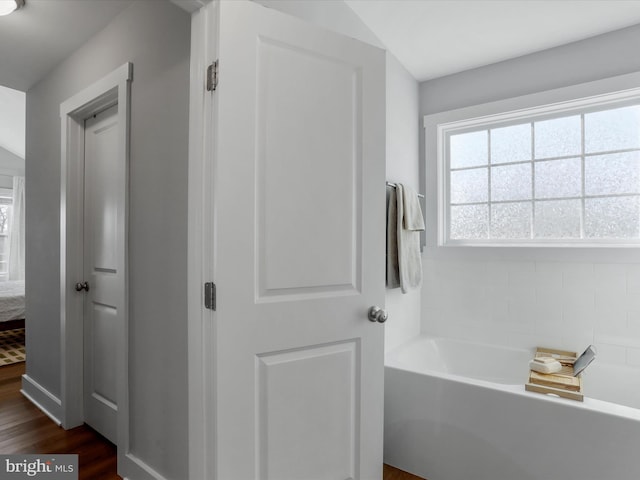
(393, 274)
(412, 212)
(409, 259)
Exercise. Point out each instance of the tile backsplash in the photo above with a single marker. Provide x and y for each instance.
(525, 304)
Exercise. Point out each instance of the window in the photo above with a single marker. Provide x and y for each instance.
(5, 218)
(562, 174)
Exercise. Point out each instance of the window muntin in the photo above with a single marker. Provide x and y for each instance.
(572, 178)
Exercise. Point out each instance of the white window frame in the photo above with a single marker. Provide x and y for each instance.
(444, 130)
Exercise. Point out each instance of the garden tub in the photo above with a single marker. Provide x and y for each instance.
(456, 410)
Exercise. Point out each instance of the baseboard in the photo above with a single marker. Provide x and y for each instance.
(190, 5)
(131, 467)
(42, 398)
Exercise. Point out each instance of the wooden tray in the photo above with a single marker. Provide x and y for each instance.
(562, 383)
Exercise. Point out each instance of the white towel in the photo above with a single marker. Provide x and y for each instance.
(412, 212)
(393, 273)
(409, 259)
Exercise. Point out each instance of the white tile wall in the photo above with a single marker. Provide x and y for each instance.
(562, 305)
(404, 317)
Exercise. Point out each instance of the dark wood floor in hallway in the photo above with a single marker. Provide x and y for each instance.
(392, 473)
(25, 429)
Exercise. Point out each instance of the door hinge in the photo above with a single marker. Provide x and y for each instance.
(210, 295)
(212, 77)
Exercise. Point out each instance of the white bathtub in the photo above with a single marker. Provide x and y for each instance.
(458, 411)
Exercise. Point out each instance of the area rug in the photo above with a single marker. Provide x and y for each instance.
(12, 346)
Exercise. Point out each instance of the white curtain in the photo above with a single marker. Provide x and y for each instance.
(16, 231)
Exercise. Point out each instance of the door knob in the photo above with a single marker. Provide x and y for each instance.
(377, 314)
(82, 286)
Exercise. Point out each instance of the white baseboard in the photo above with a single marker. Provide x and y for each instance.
(190, 5)
(131, 467)
(42, 398)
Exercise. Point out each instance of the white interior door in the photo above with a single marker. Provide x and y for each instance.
(299, 240)
(102, 317)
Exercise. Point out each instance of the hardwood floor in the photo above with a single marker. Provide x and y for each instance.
(392, 473)
(25, 429)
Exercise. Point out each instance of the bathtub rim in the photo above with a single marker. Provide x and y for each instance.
(589, 403)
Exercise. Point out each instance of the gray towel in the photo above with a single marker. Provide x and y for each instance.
(409, 258)
(393, 273)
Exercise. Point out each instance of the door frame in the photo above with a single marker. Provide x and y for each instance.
(200, 224)
(112, 89)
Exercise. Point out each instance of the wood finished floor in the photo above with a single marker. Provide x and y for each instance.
(25, 429)
(392, 473)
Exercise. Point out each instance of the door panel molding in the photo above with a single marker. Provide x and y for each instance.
(329, 173)
(329, 407)
(112, 89)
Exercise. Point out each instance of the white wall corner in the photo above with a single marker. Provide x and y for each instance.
(334, 15)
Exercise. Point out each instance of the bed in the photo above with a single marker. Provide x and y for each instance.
(11, 305)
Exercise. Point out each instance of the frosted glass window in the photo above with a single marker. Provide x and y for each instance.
(571, 176)
(511, 144)
(511, 220)
(559, 137)
(469, 149)
(558, 178)
(469, 186)
(511, 182)
(617, 129)
(613, 217)
(469, 222)
(613, 174)
(557, 219)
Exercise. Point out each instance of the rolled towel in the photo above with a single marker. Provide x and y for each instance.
(545, 365)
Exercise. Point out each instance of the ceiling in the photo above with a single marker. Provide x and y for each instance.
(34, 39)
(434, 38)
(431, 38)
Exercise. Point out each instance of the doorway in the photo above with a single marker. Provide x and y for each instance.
(94, 307)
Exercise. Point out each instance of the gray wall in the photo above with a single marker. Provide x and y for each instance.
(522, 297)
(595, 58)
(155, 37)
(402, 166)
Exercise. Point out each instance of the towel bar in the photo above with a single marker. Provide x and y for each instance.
(389, 184)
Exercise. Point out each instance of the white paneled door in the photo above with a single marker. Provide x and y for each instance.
(103, 288)
(299, 210)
